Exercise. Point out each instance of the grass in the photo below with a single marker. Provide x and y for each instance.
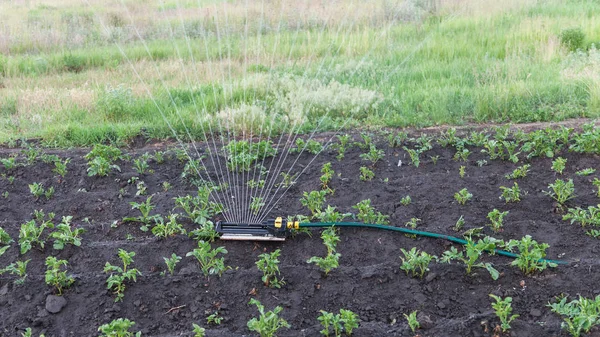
(377, 63)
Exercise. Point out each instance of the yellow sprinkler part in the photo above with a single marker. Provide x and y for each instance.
(278, 222)
(293, 225)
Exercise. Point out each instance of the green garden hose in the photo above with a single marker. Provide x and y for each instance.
(412, 232)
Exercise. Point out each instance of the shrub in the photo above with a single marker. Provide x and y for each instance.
(572, 38)
(115, 102)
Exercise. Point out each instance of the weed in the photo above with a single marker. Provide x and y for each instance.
(413, 323)
(366, 174)
(64, 234)
(118, 276)
(118, 328)
(19, 269)
(585, 172)
(462, 171)
(416, 262)
(167, 229)
(503, 309)
(269, 265)
(558, 165)
(313, 201)
(579, 315)
(374, 155)
(572, 38)
(561, 191)
(367, 213)
(267, 324)
(171, 262)
(405, 201)
(496, 217)
(519, 172)
(463, 196)
(56, 277)
(207, 257)
(531, 255)
(472, 253)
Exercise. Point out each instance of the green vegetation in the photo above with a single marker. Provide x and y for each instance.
(416, 262)
(531, 255)
(331, 260)
(56, 277)
(472, 253)
(118, 276)
(579, 315)
(268, 264)
(346, 321)
(413, 323)
(267, 324)
(503, 309)
(118, 328)
(463, 196)
(207, 257)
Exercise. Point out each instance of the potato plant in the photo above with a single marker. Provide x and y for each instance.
(579, 315)
(19, 269)
(472, 253)
(268, 322)
(30, 233)
(366, 174)
(207, 257)
(531, 255)
(413, 323)
(56, 277)
(511, 194)
(119, 275)
(145, 218)
(331, 260)
(374, 155)
(118, 328)
(368, 214)
(519, 172)
(313, 201)
(327, 175)
(591, 216)
(558, 165)
(346, 321)
(496, 218)
(64, 234)
(561, 191)
(416, 262)
(503, 309)
(268, 264)
(165, 229)
(171, 262)
(463, 196)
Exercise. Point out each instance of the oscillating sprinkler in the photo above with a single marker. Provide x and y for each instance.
(269, 230)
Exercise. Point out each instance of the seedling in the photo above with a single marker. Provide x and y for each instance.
(561, 191)
(367, 140)
(241, 155)
(405, 201)
(326, 177)
(5, 238)
(311, 146)
(5, 194)
(434, 159)
(579, 315)
(65, 235)
(9, 163)
(141, 188)
(367, 213)
(416, 262)
(558, 165)
(214, 318)
(118, 328)
(166, 186)
(209, 262)
(159, 157)
(267, 324)
(313, 201)
(256, 204)
(414, 156)
(37, 189)
(396, 140)
(471, 254)
(481, 163)
(366, 174)
(330, 321)
(19, 269)
(531, 255)
(269, 265)
(331, 261)
(60, 167)
(511, 194)
(519, 172)
(596, 183)
(342, 146)
(462, 171)
(496, 217)
(141, 165)
(171, 262)
(374, 155)
(56, 277)
(145, 219)
(29, 333)
(256, 184)
(167, 229)
(413, 323)
(585, 172)
(460, 223)
(463, 196)
(331, 215)
(503, 309)
(350, 320)
(412, 224)
(199, 208)
(287, 180)
(30, 233)
(118, 276)
(591, 216)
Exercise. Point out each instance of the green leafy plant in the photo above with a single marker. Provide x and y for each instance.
(561, 191)
(519, 172)
(503, 309)
(330, 321)
(591, 216)
(169, 228)
(396, 140)
(311, 146)
(30, 233)
(314, 201)
(64, 234)
(29, 333)
(37, 189)
(141, 165)
(241, 155)
(366, 174)
(434, 159)
(558, 165)
(579, 315)
(331, 260)
(214, 318)
(572, 38)
(342, 146)
(531, 255)
(511, 194)
(462, 171)
(145, 219)
(118, 276)
(463, 196)
(256, 204)
(19, 269)
(496, 218)
(267, 324)
(171, 262)
(60, 167)
(256, 184)
(414, 156)
(585, 172)
(198, 330)
(327, 174)
(118, 328)
(413, 323)
(287, 180)
(56, 277)
(472, 253)
(374, 155)
(166, 186)
(199, 209)
(207, 257)
(462, 154)
(9, 163)
(596, 183)
(268, 264)
(330, 214)
(405, 201)
(100, 166)
(460, 223)
(416, 262)
(367, 213)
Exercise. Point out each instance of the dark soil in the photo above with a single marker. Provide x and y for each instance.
(368, 281)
